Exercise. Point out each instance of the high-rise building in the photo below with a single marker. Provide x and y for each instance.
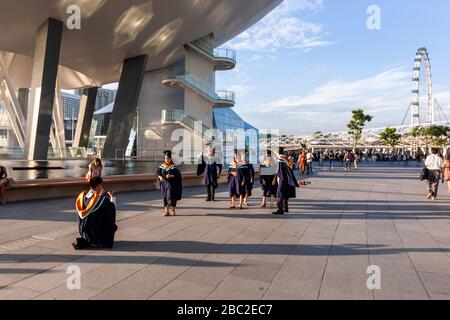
(71, 109)
(8, 141)
(104, 97)
(5, 127)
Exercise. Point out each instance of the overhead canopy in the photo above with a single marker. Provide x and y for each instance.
(113, 30)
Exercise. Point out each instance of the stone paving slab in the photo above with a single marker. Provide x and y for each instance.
(338, 227)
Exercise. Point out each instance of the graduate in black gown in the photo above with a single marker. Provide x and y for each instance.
(171, 185)
(96, 217)
(236, 181)
(249, 178)
(268, 179)
(211, 169)
(287, 183)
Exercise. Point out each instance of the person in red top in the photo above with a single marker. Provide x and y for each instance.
(302, 162)
(447, 171)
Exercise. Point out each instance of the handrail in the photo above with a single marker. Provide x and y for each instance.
(202, 86)
(218, 53)
(179, 116)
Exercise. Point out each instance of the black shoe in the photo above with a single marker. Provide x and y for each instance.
(207, 199)
(80, 244)
(278, 213)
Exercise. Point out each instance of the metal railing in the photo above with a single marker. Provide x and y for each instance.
(217, 53)
(226, 95)
(201, 86)
(178, 116)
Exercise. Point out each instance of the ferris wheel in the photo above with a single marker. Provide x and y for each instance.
(422, 58)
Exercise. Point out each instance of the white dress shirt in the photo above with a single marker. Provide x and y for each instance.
(434, 162)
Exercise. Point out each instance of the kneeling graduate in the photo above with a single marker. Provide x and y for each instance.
(96, 217)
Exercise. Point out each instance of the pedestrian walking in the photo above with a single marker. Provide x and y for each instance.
(435, 166)
(309, 163)
(348, 160)
(302, 162)
(447, 171)
(356, 161)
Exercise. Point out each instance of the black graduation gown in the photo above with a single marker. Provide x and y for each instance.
(268, 186)
(287, 183)
(172, 189)
(210, 170)
(99, 227)
(235, 178)
(249, 176)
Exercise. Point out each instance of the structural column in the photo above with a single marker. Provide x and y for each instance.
(85, 116)
(43, 83)
(22, 96)
(125, 106)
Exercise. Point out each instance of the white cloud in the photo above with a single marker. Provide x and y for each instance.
(385, 89)
(283, 28)
(386, 96)
(255, 57)
(241, 90)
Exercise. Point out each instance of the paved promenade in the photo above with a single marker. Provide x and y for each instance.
(339, 226)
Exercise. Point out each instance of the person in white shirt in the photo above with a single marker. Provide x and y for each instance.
(309, 163)
(435, 165)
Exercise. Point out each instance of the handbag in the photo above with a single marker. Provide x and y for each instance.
(424, 175)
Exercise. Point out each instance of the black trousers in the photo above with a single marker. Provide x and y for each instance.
(211, 192)
(283, 205)
(433, 182)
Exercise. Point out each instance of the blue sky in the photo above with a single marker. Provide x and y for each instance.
(305, 66)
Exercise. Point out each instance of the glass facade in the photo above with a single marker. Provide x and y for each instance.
(102, 120)
(4, 127)
(3, 134)
(99, 131)
(71, 109)
(226, 119)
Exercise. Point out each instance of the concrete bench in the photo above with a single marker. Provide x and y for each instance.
(71, 187)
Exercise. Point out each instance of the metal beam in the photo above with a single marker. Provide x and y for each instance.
(124, 112)
(85, 116)
(43, 83)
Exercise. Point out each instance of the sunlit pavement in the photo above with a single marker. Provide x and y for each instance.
(338, 227)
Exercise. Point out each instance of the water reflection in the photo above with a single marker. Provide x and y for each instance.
(60, 169)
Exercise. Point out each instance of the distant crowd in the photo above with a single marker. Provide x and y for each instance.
(349, 159)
